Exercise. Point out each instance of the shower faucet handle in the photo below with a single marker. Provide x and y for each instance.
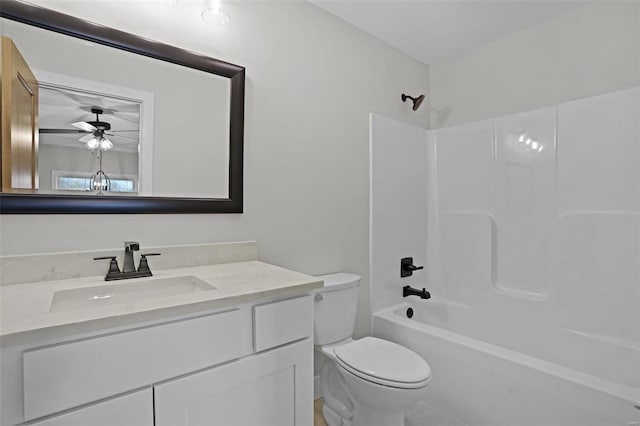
(407, 267)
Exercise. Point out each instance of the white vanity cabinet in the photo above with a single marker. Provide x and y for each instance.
(135, 409)
(243, 365)
(266, 389)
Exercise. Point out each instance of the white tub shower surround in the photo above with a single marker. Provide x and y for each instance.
(476, 383)
(532, 253)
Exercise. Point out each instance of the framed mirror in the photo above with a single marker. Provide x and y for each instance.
(135, 126)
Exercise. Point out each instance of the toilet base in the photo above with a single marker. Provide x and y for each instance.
(337, 409)
(367, 416)
(364, 417)
(331, 418)
(376, 405)
(351, 401)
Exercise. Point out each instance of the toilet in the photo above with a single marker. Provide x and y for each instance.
(365, 382)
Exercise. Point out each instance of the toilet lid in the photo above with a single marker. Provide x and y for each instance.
(384, 362)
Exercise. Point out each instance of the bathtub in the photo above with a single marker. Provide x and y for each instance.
(495, 372)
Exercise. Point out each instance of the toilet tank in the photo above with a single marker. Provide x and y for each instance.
(335, 307)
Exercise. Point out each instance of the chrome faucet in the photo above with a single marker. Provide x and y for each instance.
(128, 267)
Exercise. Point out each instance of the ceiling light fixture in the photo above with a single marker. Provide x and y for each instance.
(97, 140)
(100, 181)
(213, 13)
(93, 143)
(105, 144)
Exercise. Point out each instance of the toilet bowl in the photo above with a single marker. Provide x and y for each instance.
(365, 382)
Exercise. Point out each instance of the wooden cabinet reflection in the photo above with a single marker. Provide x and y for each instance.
(19, 122)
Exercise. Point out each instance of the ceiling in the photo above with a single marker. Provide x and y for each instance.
(59, 107)
(434, 30)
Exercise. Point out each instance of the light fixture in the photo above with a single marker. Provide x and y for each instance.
(99, 181)
(93, 142)
(105, 144)
(97, 140)
(213, 13)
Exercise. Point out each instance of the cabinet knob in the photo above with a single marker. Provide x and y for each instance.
(318, 298)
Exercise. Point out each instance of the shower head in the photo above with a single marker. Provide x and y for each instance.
(416, 101)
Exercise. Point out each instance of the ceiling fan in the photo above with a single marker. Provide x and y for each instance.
(96, 132)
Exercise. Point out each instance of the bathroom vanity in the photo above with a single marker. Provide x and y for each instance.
(220, 344)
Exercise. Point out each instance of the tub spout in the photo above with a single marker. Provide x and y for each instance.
(409, 291)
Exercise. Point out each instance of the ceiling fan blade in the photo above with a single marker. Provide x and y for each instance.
(67, 131)
(84, 126)
(122, 137)
(86, 138)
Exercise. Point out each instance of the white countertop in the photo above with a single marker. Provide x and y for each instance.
(25, 308)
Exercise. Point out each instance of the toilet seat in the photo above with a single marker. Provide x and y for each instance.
(384, 362)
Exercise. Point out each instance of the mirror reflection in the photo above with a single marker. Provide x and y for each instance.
(116, 123)
(88, 142)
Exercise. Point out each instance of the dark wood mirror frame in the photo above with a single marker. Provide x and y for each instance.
(69, 204)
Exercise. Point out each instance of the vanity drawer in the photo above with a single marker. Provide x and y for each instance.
(70, 374)
(281, 322)
(135, 409)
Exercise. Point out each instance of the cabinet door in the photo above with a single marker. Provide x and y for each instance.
(134, 409)
(60, 377)
(19, 121)
(273, 388)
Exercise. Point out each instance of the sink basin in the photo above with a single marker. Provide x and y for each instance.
(129, 292)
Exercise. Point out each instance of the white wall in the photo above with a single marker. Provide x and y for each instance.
(592, 50)
(312, 81)
(399, 174)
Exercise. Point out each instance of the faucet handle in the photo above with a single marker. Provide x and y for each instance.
(144, 255)
(144, 264)
(407, 267)
(113, 265)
